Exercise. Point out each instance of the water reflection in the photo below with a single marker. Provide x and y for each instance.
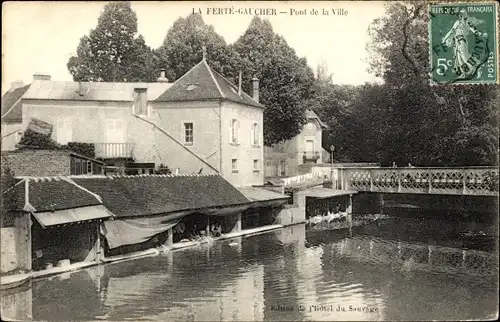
(16, 304)
(290, 274)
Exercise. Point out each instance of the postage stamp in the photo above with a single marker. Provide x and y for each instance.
(463, 42)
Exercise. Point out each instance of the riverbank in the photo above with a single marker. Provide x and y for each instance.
(13, 281)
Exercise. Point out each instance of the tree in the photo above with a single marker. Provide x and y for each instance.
(322, 74)
(112, 52)
(426, 125)
(182, 48)
(285, 79)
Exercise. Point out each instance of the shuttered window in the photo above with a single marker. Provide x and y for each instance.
(234, 129)
(255, 134)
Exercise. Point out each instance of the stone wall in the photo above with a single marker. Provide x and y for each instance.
(16, 244)
(8, 248)
(295, 213)
(38, 163)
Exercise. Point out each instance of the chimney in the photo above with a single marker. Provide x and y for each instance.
(162, 78)
(239, 84)
(255, 87)
(17, 84)
(40, 76)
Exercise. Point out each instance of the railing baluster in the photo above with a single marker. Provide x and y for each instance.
(464, 179)
(399, 180)
(113, 150)
(430, 180)
(371, 179)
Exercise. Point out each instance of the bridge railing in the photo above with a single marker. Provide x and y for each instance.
(454, 181)
(303, 178)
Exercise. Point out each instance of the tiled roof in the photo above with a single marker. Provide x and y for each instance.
(92, 91)
(10, 101)
(44, 152)
(155, 194)
(311, 115)
(51, 194)
(203, 82)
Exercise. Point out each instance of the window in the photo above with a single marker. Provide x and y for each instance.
(234, 165)
(256, 165)
(255, 134)
(282, 168)
(89, 167)
(78, 166)
(188, 133)
(309, 146)
(64, 131)
(234, 131)
(115, 131)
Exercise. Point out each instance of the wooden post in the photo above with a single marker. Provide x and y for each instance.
(349, 212)
(98, 251)
(429, 255)
(237, 225)
(399, 181)
(170, 237)
(399, 250)
(371, 247)
(207, 229)
(464, 253)
(381, 202)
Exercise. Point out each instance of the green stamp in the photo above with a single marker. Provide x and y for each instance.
(463, 43)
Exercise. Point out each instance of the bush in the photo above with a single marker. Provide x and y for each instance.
(85, 149)
(35, 140)
(163, 169)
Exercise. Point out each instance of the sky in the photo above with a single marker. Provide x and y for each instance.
(40, 37)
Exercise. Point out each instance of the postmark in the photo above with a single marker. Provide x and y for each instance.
(463, 40)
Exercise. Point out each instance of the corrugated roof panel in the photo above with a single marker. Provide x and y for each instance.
(92, 91)
(69, 93)
(66, 216)
(57, 91)
(322, 193)
(261, 194)
(33, 90)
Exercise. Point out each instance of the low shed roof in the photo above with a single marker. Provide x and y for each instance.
(133, 196)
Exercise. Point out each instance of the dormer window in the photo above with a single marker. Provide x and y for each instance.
(311, 126)
(140, 101)
(192, 87)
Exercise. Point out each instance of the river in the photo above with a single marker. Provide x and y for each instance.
(297, 273)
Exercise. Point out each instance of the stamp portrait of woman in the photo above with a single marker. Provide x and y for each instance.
(457, 38)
